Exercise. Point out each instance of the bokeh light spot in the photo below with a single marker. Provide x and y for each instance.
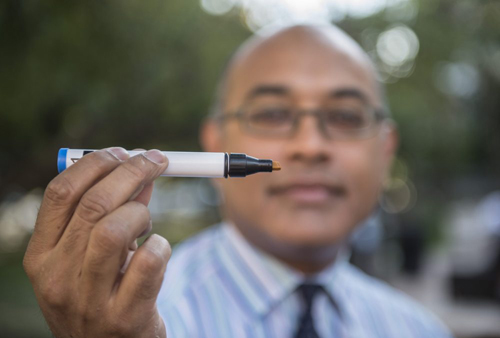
(458, 79)
(397, 46)
(217, 7)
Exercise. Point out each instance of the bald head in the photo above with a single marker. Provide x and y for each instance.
(308, 42)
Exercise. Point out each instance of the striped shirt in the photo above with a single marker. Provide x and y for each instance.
(218, 285)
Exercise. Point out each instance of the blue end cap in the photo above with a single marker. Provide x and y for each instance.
(61, 159)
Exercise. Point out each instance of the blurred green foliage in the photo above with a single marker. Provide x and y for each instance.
(101, 73)
(142, 74)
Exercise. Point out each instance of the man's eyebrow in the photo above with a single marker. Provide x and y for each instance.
(349, 92)
(279, 90)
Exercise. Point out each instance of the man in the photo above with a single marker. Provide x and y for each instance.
(306, 96)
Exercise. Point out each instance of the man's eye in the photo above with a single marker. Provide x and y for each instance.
(270, 116)
(346, 118)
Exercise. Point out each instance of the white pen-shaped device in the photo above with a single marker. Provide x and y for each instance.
(190, 164)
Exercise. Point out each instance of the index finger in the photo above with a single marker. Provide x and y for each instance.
(65, 190)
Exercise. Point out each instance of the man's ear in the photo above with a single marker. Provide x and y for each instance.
(211, 136)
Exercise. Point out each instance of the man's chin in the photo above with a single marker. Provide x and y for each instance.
(310, 234)
(308, 244)
(305, 240)
(306, 252)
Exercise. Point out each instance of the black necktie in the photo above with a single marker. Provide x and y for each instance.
(306, 325)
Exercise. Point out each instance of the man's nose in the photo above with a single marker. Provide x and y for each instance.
(308, 143)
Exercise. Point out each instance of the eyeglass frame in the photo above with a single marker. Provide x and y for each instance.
(379, 115)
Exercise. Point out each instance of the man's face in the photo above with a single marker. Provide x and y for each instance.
(327, 185)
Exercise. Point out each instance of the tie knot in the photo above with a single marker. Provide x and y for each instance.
(308, 291)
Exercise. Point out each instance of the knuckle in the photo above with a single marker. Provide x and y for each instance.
(149, 288)
(28, 267)
(59, 190)
(94, 206)
(31, 263)
(52, 294)
(140, 210)
(109, 238)
(151, 262)
(120, 326)
(103, 159)
(137, 168)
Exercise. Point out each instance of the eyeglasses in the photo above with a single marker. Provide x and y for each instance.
(282, 120)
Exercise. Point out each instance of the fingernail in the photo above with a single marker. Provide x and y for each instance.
(155, 156)
(119, 153)
(133, 246)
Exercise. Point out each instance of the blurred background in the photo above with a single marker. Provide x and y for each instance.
(95, 74)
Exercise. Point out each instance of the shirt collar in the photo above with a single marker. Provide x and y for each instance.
(260, 281)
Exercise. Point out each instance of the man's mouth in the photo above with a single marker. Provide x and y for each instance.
(308, 193)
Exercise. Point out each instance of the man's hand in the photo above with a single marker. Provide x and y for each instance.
(87, 281)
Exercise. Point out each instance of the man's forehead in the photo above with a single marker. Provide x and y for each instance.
(303, 38)
(315, 53)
